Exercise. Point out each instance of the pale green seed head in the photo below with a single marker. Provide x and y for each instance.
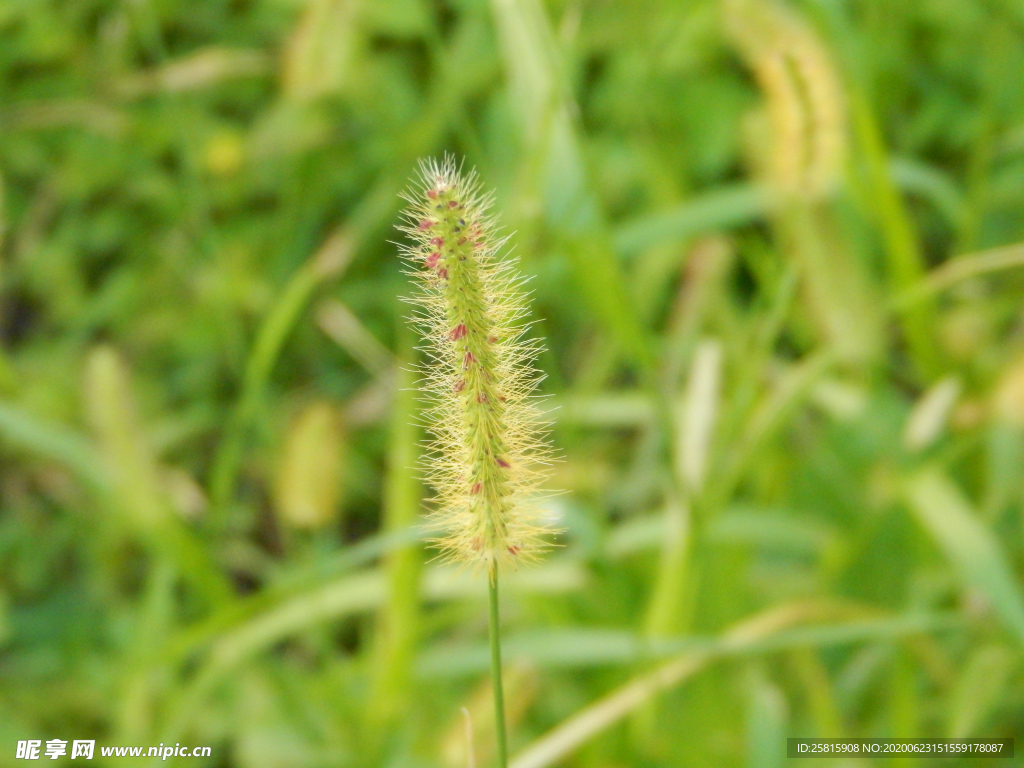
(489, 451)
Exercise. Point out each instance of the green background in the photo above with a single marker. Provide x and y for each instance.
(772, 250)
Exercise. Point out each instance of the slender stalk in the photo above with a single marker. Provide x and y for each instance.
(499, 693)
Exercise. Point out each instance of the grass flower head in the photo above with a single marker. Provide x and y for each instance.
(488, 450)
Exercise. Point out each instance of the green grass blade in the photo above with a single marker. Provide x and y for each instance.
(572, 208)
(276, 326)
(53, 442)
(721, 208)
(398, 621)
(964, 539)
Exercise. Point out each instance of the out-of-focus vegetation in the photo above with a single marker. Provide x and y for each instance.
(779, 259)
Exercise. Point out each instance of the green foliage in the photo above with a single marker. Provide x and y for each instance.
(778, 258)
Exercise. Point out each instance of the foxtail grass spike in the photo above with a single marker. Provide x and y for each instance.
(488, 451)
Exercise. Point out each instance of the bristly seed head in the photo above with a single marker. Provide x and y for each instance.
(489, 450)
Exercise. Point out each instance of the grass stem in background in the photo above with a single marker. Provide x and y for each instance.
(398, 620)
(330, 260)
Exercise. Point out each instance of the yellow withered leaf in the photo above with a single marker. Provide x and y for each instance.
(309, 473)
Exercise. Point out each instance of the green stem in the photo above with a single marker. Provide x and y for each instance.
(499, 693)
(273, 333)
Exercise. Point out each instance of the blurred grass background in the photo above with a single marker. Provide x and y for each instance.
(777, 251)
